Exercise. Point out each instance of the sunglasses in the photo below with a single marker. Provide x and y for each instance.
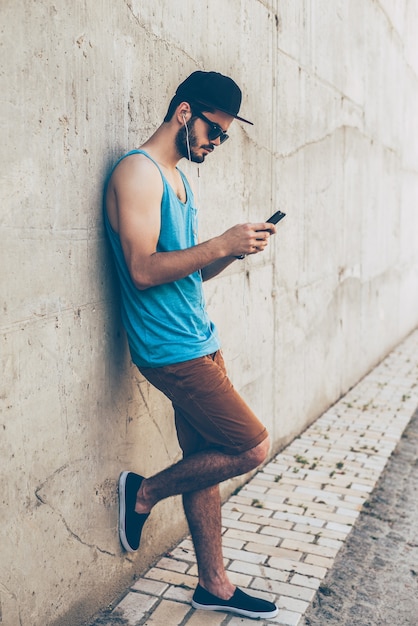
(215, 130)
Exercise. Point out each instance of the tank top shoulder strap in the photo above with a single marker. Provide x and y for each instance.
(138, 151)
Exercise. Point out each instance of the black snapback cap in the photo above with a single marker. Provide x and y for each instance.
(214, 90)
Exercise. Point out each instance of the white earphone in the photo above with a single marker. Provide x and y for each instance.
(187, 136)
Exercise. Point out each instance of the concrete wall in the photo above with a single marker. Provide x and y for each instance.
(332, 87)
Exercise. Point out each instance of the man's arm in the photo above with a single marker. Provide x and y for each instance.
(133, 203)
(215, 268)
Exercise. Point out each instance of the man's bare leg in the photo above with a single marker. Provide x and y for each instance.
(196, 473)
(203, 513)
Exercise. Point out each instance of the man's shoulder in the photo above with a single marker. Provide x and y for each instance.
(135, 165)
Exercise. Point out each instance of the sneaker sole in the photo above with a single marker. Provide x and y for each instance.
(122, 512)
(231, 609)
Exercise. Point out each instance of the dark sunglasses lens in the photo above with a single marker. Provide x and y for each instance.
(214, 133)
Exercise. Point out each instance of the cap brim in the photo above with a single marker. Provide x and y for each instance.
(241, 119)
(214, 106)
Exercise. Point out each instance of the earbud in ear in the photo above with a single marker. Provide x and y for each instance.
(184, 118)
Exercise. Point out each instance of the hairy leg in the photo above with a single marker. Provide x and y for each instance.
(197, 472)
(203, 512)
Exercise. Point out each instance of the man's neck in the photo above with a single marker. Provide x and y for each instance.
(161, 146)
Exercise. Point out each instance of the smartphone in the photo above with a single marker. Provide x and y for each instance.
(276, 217)
(279, 215)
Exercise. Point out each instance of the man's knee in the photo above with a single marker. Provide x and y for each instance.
(257, 455)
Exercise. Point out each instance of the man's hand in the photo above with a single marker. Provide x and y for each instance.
(244, 239)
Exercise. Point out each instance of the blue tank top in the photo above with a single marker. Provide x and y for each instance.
(168, 323)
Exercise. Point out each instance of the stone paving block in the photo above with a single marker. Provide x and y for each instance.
(243, 508)
(287, 534)
(193, 571)
(272, 498)
(268, 477)
(243, 621)
(239, 499)
(238, 525)
(292, 604)
(271, 523)
(174, 578)
(320, 532)
(312, 493)
(320, 503)
(310, 548)
(330, 543)
(312, 476)
(376, 466)
(326, 516)
(245, 555)
(344, 528)
(275, 468)
(151, 587)
(347, 512)
(347, 491)
(302, 519)
(179, 594)
(287, 618)
(283, 589)
(134, 607)
(274, 492)
(240, 580)
(232, 542)
(285, 486)
(342, 480)
(286, 507)
(168, 612)
(205, 618)
(173, 565)
(299, 498)
(354, 500)
(270, 551)
(252, 569)
(254, 488)
(269, 540)
(322, 561)
(367, 488)
(183, 555)
(348, 504)
(305, 581)
(230, 514)
(306, 569)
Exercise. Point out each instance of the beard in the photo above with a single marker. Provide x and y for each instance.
(181, 143)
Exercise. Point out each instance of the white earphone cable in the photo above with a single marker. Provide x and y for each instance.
(187, 139)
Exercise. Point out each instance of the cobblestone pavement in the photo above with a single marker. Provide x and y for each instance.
(285, 527)
(374, 579)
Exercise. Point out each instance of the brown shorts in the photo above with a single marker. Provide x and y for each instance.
(209, 412)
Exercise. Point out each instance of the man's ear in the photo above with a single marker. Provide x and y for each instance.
(183, 112)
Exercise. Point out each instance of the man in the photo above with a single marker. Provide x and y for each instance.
(151, 219)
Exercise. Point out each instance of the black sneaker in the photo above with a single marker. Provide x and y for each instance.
(240, 603)
(130, 523)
